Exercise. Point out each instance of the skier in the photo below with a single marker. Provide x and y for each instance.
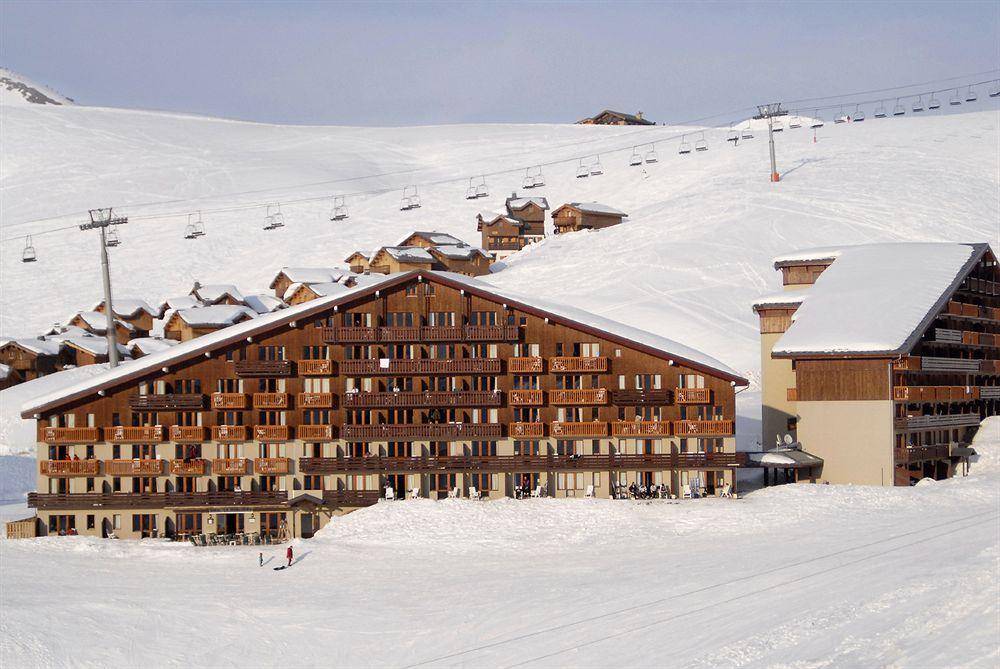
(260, 559)
(288, 554)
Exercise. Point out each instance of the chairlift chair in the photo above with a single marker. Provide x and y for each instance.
(582, 171)
(596, 169)
(189, 230)
(918, 106)
(970, 95)
(817, 121)
(470, 192)
(859, 114)
(899, 109)
(933, 103)
(841, 117)
(777, 125)
(273, 218)
(795, 122)
(651, 156)
(732, 135)
(635, 158)
(701, 144)
(995, 89)
(537, 178)
(955, 99)
(685, 147)
(199, 226)
(880, 110)
(482, 190)
(339, 211)
(112, 240)
(411, 199)
(747, 132)
(28, 255)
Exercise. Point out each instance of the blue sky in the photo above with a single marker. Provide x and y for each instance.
(421, 63)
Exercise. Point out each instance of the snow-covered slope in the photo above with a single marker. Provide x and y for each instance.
(696, 250)
(19, 90)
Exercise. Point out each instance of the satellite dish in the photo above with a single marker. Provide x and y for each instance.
(788, 440)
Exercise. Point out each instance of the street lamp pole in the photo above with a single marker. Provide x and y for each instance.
(102, 219)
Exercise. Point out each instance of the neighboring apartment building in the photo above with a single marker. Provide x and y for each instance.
(585, 216)
(882, 359)
(522, 224)
(421, 382)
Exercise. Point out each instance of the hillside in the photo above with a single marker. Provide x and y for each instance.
(16, 89)
(694, 253)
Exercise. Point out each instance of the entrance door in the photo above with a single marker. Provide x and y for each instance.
(230, 523)
(398, 484)
(309, 523)
(144, 524)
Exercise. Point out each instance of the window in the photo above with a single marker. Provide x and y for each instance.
(483, 318)
(568, 447)
(525, 383)
(189, 386)
(270, 352)
(570, 481)
(312, 482)
(189, 523)
(91, 521)
(648, 381)
(411, 290)
(525, 448)
(399, 319)
(691, 381)
(484, 448)
(441, 318)
(90, 485)
(429, 289)
(483, 482)
(315, 352)
(316, 417)
(116, 521)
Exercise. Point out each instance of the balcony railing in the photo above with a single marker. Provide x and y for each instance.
(270, 400)
(69, 467)
(406, 366)
(264, 368)
(399, 333)
(630, 398)
(492, 333)
(989, 392)
(528, 397)
(428, 399)
(576, 365)
(229, 433)
(315, 432)
(529, 365)
(579, 396)
(171, 402)
(693, 395)
(422, 431)
(933, 364)
(349, 335)
(931, 422)
(935, 393)
(271, 433)
(71, 435)
(426, 333)
(271, 465)
(315, 400)
(561, 429)
(703, 427)
(189, 433)
(229, 401)
(316, 367)
(526, 430)
(351, 497)
(136, 467)
(195, 467)
(921, 453)
(229, 466)
(157, 500)
(640, 428)
(134, 435)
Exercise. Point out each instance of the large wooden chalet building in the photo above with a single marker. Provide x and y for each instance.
(429, 384)
(882, 359)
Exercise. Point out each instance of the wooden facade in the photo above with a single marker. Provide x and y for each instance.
(420, 382)
(30, 364)
(610, 117)
(578, 216)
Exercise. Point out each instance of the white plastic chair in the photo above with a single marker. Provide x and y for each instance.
(686, 492)
(414, 493)
(473, 493)
(537, 492)
(390, 494)
(453, 493)
(590, 491)
(727, 491)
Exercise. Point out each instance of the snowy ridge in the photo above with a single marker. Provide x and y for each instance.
(18, 90)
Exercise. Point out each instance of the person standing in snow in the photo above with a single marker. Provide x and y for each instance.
(260, 559)
(288, 554)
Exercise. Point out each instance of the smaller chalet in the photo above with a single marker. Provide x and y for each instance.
(522, 224)
(426, 239)
(297, 293)
(32, 358)
(9, 376)
(423, 251)
(585, 216)
(96, 323)
(186, 324)
(148, 345)
(221, 293)
(90, 350)
(610, 117)
(357, 262)
(182, 302)
(304, 275)
(263, 303)
(135, 312)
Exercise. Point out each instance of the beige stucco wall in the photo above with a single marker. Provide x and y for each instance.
(777, 377)
(854, 438)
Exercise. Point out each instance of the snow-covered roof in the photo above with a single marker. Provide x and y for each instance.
(148, 345)
(98, 322)
(61, 332)
(356, 253)
(433, 236)
(264, 303)
(321, 289)
(782, 298)
(522, 202)
(410, 254)
(36, 346)
(181, 302)
(94, 345)
(488, 216)
(215, 315)
(786, 457)
(595, 208)
(823, 254)
(128, 307)
(309, 274)
(217, 291)
(877, 298)
(459, 251)
(192, 348)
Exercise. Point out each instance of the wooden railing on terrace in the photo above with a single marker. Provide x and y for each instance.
(154, 500)
(71, 435)
(316, 367)
(264, 368)
(69, 467)
(425, 399)
(315, 432)
(122, 434)
(422, 431)
(930, 422)
(921, 453)
(417, 333)
(270, 400)
(315, 400)
(229, 466)
(693, 395)
(229, 433)
(526, 430)
(640, 428)
(136, 467)
(194, 467)
(579, 396)
(529, 365)
(351, 497)
(529, 397)
(271, 433)
(406, 366)
(170, 402)
(271, 465)
(935, 393)
(572, 365)
(561, 429)
(703, 427)
(229, 401)
(191, 433)
(629, 398)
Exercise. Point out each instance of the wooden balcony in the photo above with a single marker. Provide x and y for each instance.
(693, 395)
(703, 427)
(187, 433)
(264, 368)
(229, 433)
(568, 365)
(349, 335)
(271, 465)
(942, 364)
(349, 498)
(430, 399)
(315, 432)
(399, 334)
(171, 402)
(229, 466)
(907, 364)
(526, 365)
(422, 432)
(526, 397)
(316, 367)
(631, 398)
(134, 435)
(195, 467)
(71, 435)
(271, 433)
(315, 400)
(640, 428)
(492, 333)
(229, 401)
(270, 400)
(526, 430)
(442, 333)
(69, 467)
(136, 467)
(564, 430)
(932, 422)
(972, 311)
(922, 453)
(578, 396)
(935, 393)
(428, 366)
(158, 500)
